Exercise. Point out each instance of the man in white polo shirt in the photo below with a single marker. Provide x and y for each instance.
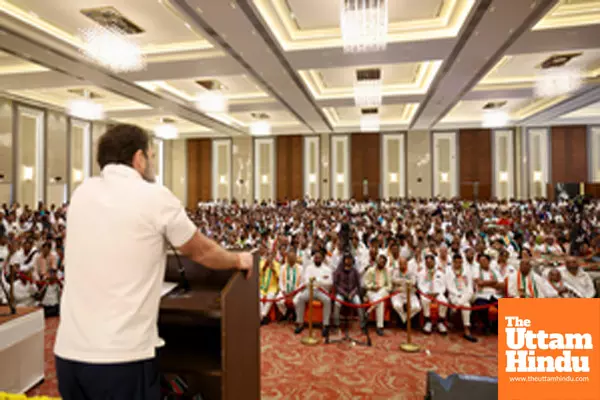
(118, 227)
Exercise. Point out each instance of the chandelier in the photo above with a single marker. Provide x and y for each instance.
(369, 123)
(364, 25)
(260, 128)
(166, 130)
(86, 109)
(112, 49)
(555, 82)
(495, 119)
(368, 88)
(212, 101)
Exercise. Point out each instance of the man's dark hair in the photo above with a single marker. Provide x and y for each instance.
(120, 143)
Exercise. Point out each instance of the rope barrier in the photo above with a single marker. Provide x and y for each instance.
(285, 296)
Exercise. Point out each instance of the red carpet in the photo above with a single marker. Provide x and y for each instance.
(291, 370)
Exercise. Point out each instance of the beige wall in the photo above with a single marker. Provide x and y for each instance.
(242, 168)
(5, 150)
(98, 129)
(419, 163)
(168, 163)
(325, 175)
(56, 157)
(178, 167)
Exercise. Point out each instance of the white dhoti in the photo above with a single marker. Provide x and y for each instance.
(379, 308)
(463, 301)
(302, 298)
(426, 303)
(281, 306)
(265, 307)
(398, 302)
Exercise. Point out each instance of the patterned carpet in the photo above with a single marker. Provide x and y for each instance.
(291, 370)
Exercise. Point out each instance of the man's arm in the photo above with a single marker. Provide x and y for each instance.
(207, 252)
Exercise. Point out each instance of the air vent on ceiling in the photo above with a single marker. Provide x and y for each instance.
(167, 120)
(369, 111)
(494, 105)
(260, 116)
(110, 18)
(558, 60)
(211, 84)
(369, 74)
(85, 93)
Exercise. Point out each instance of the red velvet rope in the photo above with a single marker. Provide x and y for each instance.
(285, 296)
(39, 284)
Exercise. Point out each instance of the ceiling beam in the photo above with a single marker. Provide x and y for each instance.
(583, 98)
(236, 30)
(18, 43)
(492, 27)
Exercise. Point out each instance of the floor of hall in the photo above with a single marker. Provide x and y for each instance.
(291, 370)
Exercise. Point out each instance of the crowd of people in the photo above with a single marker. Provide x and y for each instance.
(463, 256)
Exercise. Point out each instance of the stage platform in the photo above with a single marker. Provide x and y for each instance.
(21, 349)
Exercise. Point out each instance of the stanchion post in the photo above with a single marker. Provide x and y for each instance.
(409, 346)
(310, 340)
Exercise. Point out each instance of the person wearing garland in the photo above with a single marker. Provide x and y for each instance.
(402, 277)
(290, 277)
(378, 285)
(526, 284)
(269, 284)
(432, 284)
(460, 291)
(486, 280)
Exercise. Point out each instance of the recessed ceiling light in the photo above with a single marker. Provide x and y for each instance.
(34, 15)
(188, 25)
(232, 4)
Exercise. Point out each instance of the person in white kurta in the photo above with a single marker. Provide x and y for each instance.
(290, 278)
(378, 284)
(403, 277)
(432, 282)
(576, 277)
(562, 288)
(460, 292)
(323, 279)
(527, 284)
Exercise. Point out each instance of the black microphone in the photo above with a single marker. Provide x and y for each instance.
(184, 284)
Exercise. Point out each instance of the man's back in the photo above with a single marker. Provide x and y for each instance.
(114, 261)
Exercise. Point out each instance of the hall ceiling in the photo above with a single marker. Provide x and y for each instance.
(445, 61)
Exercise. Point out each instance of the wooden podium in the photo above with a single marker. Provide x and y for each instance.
(211, 333)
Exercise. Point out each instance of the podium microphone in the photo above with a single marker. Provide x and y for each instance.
(184, 284)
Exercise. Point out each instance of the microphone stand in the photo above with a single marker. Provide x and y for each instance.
(184, 285)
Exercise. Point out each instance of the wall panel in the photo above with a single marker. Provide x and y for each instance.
(339, 167)
(445, 174)
(569, 154)
(221, 169)
(265, 173)
(394, 165)
(312, 166)
(199, 171)
(475, 163)
(289, 161)
(366, 165)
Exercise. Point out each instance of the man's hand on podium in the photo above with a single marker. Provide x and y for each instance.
(245, 262)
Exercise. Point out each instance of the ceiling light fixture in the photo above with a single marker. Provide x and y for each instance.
(364, 25)
(369, 120)
(368, 88)
(495, 119)
(112, 49)
(166, 130)
(260, 128)
(86, 109)
(212, 101)
(557, 82)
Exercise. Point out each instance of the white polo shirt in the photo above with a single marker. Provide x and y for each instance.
(115, 263)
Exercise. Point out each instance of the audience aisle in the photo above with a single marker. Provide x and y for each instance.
(293, 371)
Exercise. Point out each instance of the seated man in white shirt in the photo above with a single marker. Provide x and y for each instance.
(460, 291)
(527, 284)
(378, 284)
(485, 280)
(323, 279)
(402, 277)
(563, 289)
(577, 278)
(432, 282)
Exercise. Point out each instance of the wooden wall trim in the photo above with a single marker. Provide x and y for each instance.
(475, 162)
(199, 171)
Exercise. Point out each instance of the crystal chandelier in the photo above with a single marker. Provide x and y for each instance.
(212, 101)
(86, 109)
(166, 130)
(369, 123)
(368, 89)
(260, 128)
(364, 25)
(555, 82)
(112, 49)
(495, 119)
